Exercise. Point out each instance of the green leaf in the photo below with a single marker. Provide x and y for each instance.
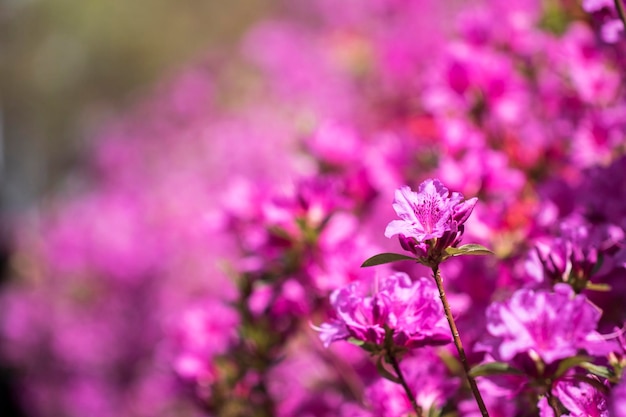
(385, 258)
(372, 348)
(569, 363)
(469, 249)
(355, 341)
(598, 370)
(554, 19)
(494, 368)
(593, 382)
(593, 286)
(450, 361)
(384, 372)
(433, 411)
(453, 251)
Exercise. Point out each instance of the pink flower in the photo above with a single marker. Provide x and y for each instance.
(427, 378)
(552, 325)
(579, 398)
(574, 256)
(431, 217)
(203, 332)
(606, 14)
(618, 400)
(410, 311)
(582, 399)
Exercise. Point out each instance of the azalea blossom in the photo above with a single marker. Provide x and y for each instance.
(427, 376)
(581, 398)
(550, 325)
(203, 332)
(612, 28)
(220, 213)
(618, 400)
(432, 218)
(411, 311)
(574, 256)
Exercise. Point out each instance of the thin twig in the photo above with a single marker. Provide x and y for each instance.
(553, 404)
(396, 367)
(458, 343)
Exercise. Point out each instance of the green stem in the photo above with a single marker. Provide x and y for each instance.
(553, 404)
(396, 367)
(458, 343)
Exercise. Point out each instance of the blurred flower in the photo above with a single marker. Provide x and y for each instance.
(581, 398)
(204, 331)
(574, 256)
(618, 400)
(551, 325)
(427, 377)
(612, 26)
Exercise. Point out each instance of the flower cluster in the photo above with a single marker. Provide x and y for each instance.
(426, 376)
(531, 323)
(618, 403)
(612, 27)
(204, 332)
(221, 222)
(400, 314)
(574, 256)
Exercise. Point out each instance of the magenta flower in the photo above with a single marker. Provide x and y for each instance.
(573, 256)
(431, 218)
(202, 332)
(428, 379)
(605, 12)
(579, 398)
(410, 311)
(582, 399)
(618, 400)
(552, 325)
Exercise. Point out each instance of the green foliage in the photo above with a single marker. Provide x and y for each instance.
(469, 249)
(385, 258)
(494, 368)
(380, 366)
(569, 363)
